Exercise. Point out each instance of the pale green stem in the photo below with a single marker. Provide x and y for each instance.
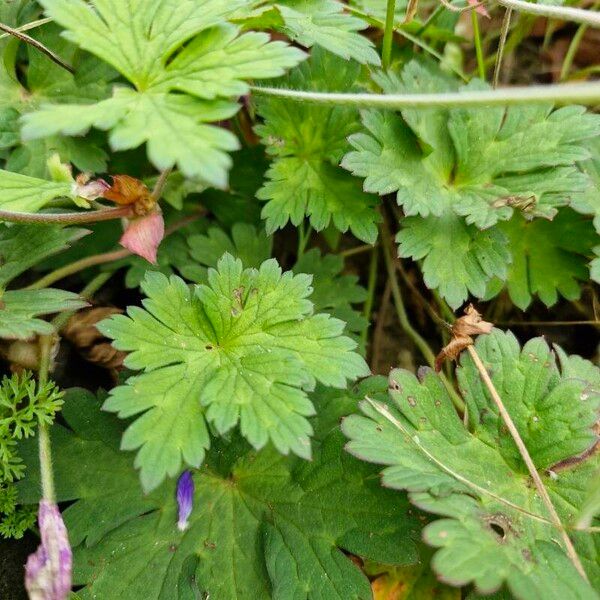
(370, 290)
(405, 323)
(501, 46)
(564, 13)
(303, 238)
(388, 34)
(560, 93)
(573, 47)
(478, 46)
(28, 26)
(45, 451)
(98, 259)
(79, 265)
(160, 184)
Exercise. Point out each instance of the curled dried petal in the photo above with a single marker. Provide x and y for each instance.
(90, 190)
(462, 330)
(143, 236)
(126, 190)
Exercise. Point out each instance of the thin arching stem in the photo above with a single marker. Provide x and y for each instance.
(28, 26)
(75, 218)
(99, 259)
(38, 45)
(478, 46)
(560, 93)
(501, 46)
(564, 13)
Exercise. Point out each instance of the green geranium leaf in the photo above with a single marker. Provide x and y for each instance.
(250, 245)
(23, 246)
(21, 193)
(334, 292)
(308, 142)
(494, 528)
(324, 23)
(458, 259)
(43, 82)
(549, 257)
(464, 170)
(182, 60)
(485, 161)
(19, 310)
(313, 23)
(243, 349)
(262, 526)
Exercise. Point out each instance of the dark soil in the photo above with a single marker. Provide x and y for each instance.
(13, 555)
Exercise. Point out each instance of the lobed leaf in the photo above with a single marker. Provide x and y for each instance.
(463, 170)
(494, 527)
(262, 524)
(245, 348)
(21, 193)
(180, 57)
(307, 142)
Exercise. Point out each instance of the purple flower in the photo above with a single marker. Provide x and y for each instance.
(48, 569)
(185, 499)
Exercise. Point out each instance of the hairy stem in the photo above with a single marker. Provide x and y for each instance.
(45, 451)
(537, 480)
(39, 46)
(66, 218)
(405, 323)
(388, 34)
(98, 259)
(560, 93)
(501, 46)
(478, 46)
(564, 13)
(78, 265)
(160, 183)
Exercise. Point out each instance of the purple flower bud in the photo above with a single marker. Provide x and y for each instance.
(185, 499)
(48, 569)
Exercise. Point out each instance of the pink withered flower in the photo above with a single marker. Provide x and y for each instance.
(185, 499)
(143, 235)
(479, 8)
(48, 569)
(89, 189)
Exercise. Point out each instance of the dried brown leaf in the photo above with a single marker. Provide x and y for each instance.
(462, 329)
(81, 331)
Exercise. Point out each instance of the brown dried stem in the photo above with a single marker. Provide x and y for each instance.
(537, 480)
